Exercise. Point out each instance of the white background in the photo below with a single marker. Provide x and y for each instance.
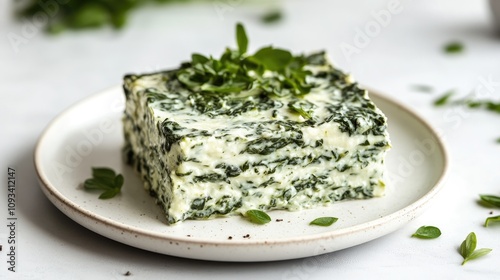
(43, 75)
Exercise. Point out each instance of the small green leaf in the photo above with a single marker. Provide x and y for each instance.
(273, 59)
(468, 245)
(109, 194)
(272, 17)
(498, 140)
(477, 254)
(324, 221)
(491, 219)
(423, 88)
(427, 232)
(104, 179)
(468, 249)
(198, 58)
(241, 38)
(90, 15)
(443, 99)
(258, 217)
(119, 181)
(453, 47)
(491, 200)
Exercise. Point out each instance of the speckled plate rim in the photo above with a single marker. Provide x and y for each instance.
(113, 229)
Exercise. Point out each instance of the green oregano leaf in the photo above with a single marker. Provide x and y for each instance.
(258, 217)
(241, 38)
(323, 221)
(468, 249)
(477, 254)
(423, 88)
(198, 58)
(453, 47)
(490, 200)
(491, 219)
(272, 16)
(427, 232)
(105, 179)
(273, 59)
(444, 98)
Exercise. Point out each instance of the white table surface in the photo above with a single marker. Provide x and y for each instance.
(43, 75)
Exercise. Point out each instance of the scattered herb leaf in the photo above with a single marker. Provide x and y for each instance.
(82, 14)
(422, 88)
(272, 16)
(468, 249)
(324, 221)
(490, 200)
(104, 179)
(427, 232)
(454, 47)
(258, 217)
(444, 98)
(498, 140)
(491, 219)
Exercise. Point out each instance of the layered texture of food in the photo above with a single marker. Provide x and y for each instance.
(204, 154)
(243, 132)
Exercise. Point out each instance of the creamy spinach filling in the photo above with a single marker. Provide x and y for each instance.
(208, 154)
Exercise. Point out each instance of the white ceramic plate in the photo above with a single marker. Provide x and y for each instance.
(89, 134)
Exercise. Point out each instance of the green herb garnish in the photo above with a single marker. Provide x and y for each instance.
(66, 15)
(270, 71)
(427, 232)
(324, 221)
(468, 249)
(498, 140)
(490, 200)
(423, 88)
(272, 16)
(104, 179)
(258, 217)
(453, 47)
(444, 98)
(491, 219)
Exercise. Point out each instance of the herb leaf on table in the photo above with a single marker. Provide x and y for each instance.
(468, 249)
(427, 232)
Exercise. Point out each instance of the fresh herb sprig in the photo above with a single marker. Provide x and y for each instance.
(106, 180)
(468, 249)
(427, 232)
(269, 71)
